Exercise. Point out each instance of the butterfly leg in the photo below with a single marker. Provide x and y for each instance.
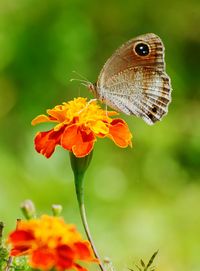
(88, 103)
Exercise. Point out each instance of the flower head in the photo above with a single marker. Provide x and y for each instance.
(50, 243)
(77, 125)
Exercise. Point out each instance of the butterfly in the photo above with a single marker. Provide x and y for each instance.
(133, 80)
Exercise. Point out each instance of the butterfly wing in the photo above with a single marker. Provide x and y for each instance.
(139, 91)
(136, 84)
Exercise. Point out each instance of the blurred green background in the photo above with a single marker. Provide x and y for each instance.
(140, 199)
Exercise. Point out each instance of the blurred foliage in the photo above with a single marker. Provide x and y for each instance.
(141, 199)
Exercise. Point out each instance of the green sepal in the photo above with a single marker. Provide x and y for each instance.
(79, 167)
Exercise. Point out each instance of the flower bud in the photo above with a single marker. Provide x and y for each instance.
(56, 209)
(28, 209)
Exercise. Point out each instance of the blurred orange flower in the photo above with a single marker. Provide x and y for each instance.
(78, 124)
(50, 243)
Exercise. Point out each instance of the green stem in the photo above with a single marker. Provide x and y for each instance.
(80, 198)
(8, 266)
(1, 232)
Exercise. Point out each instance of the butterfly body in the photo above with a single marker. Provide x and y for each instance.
(134, 81)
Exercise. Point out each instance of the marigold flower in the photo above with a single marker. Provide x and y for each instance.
(78, 124)
(50, 243)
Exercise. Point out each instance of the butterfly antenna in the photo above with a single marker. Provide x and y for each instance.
(81, 76)
(85, 82)
(79, 80)
(83, 79)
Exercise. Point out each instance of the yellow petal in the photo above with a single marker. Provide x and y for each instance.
(99, 127)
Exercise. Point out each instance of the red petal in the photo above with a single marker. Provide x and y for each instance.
(65, 257)
(45, 142)
(21, 241)
(119, 133)
(19, 250)
(83, 250)
(21, 236)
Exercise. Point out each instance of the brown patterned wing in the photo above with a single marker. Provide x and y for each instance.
(143, 92)
(127, 57)
(136, 84)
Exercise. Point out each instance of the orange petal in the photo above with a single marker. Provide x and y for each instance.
(81, 150)
(45, 142)
(58, 114)
(70, 136)
(119, 133)
(40, 119)
(78, 141)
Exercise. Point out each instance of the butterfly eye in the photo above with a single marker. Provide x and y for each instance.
(142, 49)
